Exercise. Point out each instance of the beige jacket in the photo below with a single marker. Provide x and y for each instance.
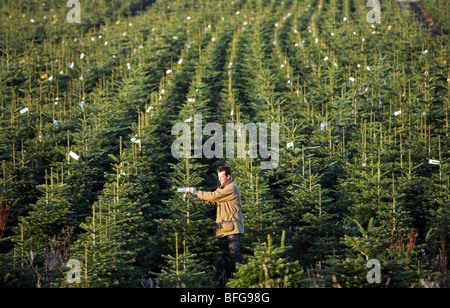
(227, 200)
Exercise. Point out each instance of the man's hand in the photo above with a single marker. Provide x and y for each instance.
(192, 190)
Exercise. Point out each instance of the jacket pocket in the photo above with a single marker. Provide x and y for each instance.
(224, 226)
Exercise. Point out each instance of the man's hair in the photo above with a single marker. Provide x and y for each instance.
(226, 169)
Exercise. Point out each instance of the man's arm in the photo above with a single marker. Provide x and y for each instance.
(221, 195)
(198, 200)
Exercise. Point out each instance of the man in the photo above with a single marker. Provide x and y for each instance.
(229, 220)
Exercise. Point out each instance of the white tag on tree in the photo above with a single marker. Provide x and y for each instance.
(73, 155)
(185, 190)
(135, 139)
(433, 162)
(23, 110)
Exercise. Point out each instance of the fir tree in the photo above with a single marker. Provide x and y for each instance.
(269, 267)
(49, 215)
(258, 206)
(185, 270)
(114, 241)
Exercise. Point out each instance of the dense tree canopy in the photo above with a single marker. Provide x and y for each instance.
(87, 167)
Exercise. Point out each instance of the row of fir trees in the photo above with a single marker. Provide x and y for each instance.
(88, 176)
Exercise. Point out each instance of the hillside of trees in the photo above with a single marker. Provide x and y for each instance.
(88, 182)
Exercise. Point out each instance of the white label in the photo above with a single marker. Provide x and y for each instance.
(73, 155)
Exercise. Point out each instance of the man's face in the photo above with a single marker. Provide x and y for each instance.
(222, 177)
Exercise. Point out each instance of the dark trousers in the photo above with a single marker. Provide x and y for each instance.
(231, 255)
(234, 248)
(231, 245)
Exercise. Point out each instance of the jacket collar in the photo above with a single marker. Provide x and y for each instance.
(226, 183)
